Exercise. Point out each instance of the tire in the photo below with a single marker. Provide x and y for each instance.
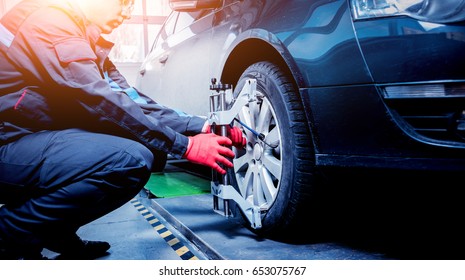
(278, 176)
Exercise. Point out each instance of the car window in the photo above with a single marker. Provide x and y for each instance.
(187, 19)
(170, 23)
(166, 31)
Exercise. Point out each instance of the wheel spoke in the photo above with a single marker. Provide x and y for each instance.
(246, 117)
(257, 190)
(240, 163)
(272, 138)
(254, 113)
(244, 186)
(263, 119)
(273, 165)
(268, 188)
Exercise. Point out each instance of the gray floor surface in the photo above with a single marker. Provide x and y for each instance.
(131, 235)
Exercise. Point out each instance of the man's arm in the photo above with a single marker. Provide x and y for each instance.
(66, 71)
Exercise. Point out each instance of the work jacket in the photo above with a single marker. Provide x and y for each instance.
(54, 75)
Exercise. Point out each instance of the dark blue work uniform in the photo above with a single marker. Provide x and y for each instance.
(72, 148)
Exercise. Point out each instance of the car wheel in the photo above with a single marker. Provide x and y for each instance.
(275, 174)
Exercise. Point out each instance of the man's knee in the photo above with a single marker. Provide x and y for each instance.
(141, 154)
(133, 167)
(113, 162)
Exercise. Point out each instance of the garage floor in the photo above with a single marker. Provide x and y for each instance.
(173, 219)
(135, 233)
(170, 221)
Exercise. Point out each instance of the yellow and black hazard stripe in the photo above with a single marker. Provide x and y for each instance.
(165, 233)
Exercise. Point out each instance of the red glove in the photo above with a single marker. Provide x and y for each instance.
(208, 149)
(235, 134)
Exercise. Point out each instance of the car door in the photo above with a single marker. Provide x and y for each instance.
(182, 45)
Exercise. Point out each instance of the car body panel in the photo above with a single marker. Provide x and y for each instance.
(341, 67)
(304, 41)
(169, 58)
(402, 49)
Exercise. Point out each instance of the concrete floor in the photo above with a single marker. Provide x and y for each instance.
(136, 232)
(186, 227)
(229, 239)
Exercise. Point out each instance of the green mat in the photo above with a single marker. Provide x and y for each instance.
(172, 184)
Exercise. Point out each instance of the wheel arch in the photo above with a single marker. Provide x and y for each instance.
(255, 48)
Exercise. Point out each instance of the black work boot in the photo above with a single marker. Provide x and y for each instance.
(74, 248)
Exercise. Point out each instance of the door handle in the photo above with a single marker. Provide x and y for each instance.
(163, 58)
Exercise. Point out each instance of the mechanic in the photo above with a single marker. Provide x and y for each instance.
(76, 140)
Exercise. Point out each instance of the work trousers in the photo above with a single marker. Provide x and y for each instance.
(53, 182)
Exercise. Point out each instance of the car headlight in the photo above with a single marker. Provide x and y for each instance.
(441, 11)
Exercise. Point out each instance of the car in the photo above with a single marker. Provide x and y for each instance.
(372, 85)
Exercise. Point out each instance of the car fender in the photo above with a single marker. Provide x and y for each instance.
(251, 46)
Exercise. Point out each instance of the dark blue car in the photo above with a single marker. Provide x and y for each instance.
(367, 84)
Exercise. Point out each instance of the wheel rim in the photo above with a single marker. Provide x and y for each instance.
(258, 167)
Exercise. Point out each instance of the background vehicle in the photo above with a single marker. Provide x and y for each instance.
(344, 83)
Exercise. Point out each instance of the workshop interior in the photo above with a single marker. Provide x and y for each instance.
(353, 119)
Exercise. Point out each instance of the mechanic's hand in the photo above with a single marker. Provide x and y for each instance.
(208, 149)
(235, 134)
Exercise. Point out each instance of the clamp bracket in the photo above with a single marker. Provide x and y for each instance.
(219, 118)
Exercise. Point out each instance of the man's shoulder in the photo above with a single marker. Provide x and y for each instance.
(42, 13)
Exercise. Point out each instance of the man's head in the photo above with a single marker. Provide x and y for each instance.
(106, 14)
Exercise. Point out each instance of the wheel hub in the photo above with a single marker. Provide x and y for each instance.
(257, 152)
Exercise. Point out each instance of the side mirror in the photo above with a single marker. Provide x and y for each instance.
(194, 5)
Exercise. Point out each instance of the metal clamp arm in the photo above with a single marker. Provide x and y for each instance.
(221, 118)
(225, 117)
